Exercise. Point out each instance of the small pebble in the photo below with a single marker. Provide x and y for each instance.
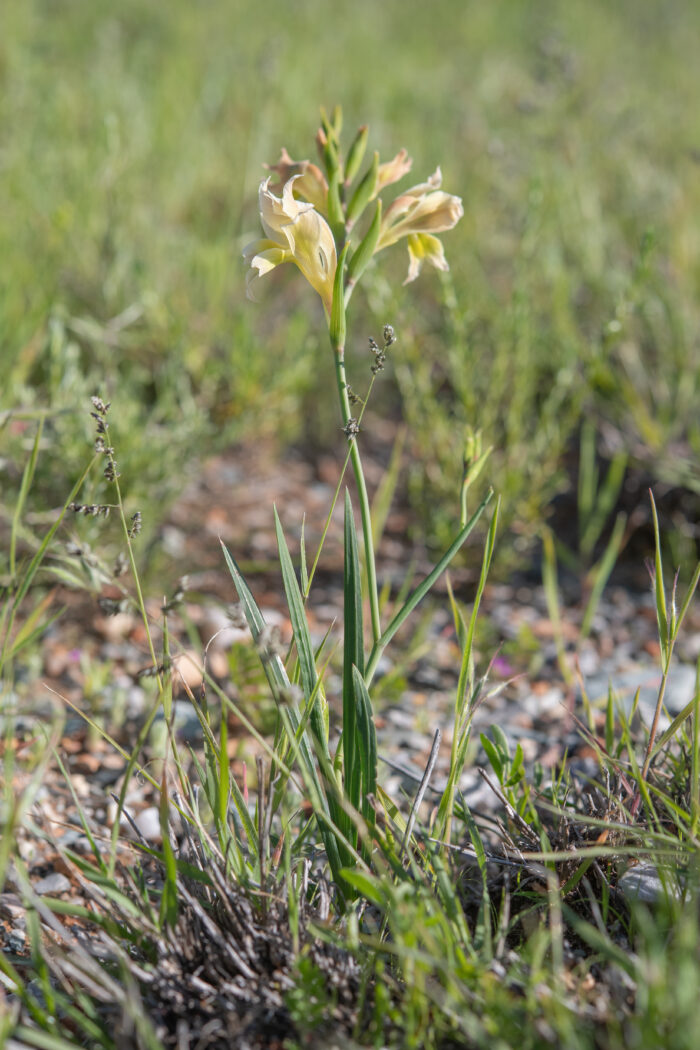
(189, 668)
(11, 907)
(643, 883)
(148, 823)
(52, 885)
(16, 940)
(75, 840)
(398, 718)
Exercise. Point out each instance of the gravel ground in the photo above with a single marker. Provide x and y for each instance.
(525, 693)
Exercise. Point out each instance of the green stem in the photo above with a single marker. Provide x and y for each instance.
(365, 512)
(137, 584)
(338, 487)
(141, 604)
(649, 754)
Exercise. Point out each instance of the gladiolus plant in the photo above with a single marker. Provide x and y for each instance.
(330, 220)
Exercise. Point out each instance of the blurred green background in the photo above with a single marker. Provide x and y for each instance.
(131, 143)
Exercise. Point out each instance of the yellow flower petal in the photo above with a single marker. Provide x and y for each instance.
(423, 247)
(261, 261)
(313, 250)
(252, 249)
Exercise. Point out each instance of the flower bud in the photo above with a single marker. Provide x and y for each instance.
(337, 327)
(356, 154)
(365, 249)
(364, 193)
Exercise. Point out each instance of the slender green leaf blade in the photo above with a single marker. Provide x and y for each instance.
(27, 478)
(493, 756)
(423, 588)
(659, 588)
(353, 654)
(367, 742)
(274, 668)
(302, 638)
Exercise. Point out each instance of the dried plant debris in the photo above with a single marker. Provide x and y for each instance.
(232, 971)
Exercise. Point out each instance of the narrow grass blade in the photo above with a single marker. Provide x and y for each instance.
(25, 486)
(610, 721)
(279, 682)
(367, 743)
(39, 556)
(695, 757)
(244, 815)
(483, 935)
(87, 830)
(353, 656)
(275, 672)
(466, 671)
(274, 668)
(457, 617)
(551, 592)
(7, 620)
(331, 835)
(302, 638)
(677, 722)
(35, 625)
(32, 1037)
(596, 501)
(369, 886)
(169, 900)
(465, 684)
(601, 572)
(587, 472)
(302, 554)
(386, 489)
(423, 588)
(493, 755)
(659, 588)
(221, 776)
(688, 598)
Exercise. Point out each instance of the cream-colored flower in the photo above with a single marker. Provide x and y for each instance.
(295, 232)
(393, 170)
(311, 185)
(418, 214)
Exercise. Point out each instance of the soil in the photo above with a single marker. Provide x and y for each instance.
(546, 686)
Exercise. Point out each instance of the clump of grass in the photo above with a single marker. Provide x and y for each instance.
(23, 614)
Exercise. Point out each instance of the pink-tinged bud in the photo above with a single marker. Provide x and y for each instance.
(321, 144)
(311, 184)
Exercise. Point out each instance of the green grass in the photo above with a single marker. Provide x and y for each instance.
(131, 151)
(563, 337)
